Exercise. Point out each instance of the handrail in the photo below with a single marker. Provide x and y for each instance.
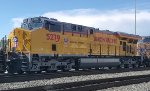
(19, 49)
(27, 51)
(25, 47)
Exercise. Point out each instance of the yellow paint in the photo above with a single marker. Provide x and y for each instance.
(39, 42)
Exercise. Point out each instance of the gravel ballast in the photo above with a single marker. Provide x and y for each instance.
(135, 87)
(16, 85)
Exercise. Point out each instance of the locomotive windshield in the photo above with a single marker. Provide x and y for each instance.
(32, 23)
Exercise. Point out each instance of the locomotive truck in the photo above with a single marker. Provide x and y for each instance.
(46, 44)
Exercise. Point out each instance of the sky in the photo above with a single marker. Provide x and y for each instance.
(113, 15)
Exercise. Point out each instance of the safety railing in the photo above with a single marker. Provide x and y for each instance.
(28, 51)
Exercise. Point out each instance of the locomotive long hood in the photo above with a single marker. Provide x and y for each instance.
(131, 36)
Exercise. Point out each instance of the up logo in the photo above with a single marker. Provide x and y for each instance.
(65, 40)
(15, 40)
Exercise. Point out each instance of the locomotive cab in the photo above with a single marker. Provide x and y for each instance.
(32, 23)
(128, 44)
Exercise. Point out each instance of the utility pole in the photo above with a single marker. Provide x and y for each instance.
(135, 15)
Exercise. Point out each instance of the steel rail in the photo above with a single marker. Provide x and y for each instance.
(91, 85)
(7, 78)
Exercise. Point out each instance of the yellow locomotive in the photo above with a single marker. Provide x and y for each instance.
(43, 44)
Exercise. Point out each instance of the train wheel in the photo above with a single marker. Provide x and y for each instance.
(119, 67)
(1, 71)
(30, 72)
(96, 68)
(109, 67)
(76, 68)
(54, 71)
(147, 64)
(133, 65)
(64, 70)
(51, 71)
(10, 69)
(48, 71)
(39, 72)
(20, 72)
(122, 66)
(136, 65)
(126, 65)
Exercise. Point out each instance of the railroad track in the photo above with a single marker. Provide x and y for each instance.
(6, 78)
(92, 85)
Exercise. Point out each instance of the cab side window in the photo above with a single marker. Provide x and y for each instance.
(67, 27)
(120, 42)
(73, 27)
(55, 26)
(79, 28)
(46, 25)
(91, 31)
(52, 26)
(124, 46)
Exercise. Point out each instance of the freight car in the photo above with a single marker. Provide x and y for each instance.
(43, 44)
(144, 49)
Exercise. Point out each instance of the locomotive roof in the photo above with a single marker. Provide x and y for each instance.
(120, 34)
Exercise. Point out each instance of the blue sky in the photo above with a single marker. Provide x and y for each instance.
(96, 12)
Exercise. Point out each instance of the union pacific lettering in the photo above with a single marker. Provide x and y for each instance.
(54, 37)
(107, 40)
